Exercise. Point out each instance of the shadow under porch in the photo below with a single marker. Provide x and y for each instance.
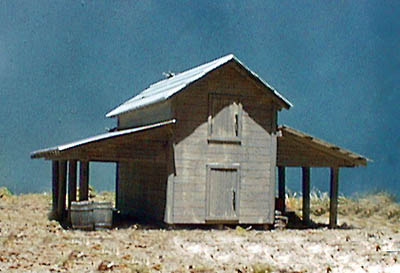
(71, 162)
(301, 150)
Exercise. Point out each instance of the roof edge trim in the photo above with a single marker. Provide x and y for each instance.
(60, 148)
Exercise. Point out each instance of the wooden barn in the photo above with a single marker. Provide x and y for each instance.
(199, 147)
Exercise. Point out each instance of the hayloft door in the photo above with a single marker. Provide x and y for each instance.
(222, 192)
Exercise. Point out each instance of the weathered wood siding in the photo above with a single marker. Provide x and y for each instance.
(142, 189)
(142, 182)
(255, 153)
(148, 115)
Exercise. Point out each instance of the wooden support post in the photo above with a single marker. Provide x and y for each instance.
(62, 189)
(84, 181)
(334, 197)
(55, 175)
(306, 195)
(117, 186)
(281, 189)
(71, 182)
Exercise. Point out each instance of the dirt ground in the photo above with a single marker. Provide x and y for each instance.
(31, 243)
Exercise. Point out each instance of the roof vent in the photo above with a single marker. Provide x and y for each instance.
(168, 74)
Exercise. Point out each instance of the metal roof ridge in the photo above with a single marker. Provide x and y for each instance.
(182, 76)
(164, 89)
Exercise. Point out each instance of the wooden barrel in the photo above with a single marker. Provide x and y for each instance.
(102, 215)
(82, 215)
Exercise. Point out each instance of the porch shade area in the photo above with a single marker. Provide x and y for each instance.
(142, 144)
(299, 149)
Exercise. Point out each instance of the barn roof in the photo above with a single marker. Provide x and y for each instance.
(299, 149)
(164, 89)
(101, 138)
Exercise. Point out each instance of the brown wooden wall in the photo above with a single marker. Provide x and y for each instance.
(142, 189)
(256, 154)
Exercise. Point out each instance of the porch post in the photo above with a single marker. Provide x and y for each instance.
(71, 182)
(54, 186)
(117, 186)
(84, 180)
(334, 197)
(62, 189)
(306, 195)
(281, 188)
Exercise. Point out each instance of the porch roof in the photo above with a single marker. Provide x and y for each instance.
(299, 149)
(102, 147)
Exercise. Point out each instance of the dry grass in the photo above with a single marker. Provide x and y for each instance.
(380, 206)
(30, 242)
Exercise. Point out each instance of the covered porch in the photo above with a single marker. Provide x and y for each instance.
(298, 149)
(71, 162)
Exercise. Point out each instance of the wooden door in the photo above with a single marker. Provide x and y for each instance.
(222, 192)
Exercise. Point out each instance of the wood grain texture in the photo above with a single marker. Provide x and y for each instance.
(72, 185)
(255, 152)
(294, 151)
(334, 192)
(306, 195)
(83, 180)
(143, 190)
(62, 189)
(55, 182)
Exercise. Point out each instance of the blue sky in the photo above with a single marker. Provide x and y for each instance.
(65, 64)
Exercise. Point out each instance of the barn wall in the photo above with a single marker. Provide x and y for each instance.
(149, 115)
(142, 189)
(256, 153)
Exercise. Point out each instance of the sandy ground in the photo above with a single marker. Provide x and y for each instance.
(31, 243)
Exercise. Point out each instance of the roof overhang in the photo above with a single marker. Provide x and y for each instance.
(299, 149)
(129, 144)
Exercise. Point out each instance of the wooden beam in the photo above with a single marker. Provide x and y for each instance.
(54, 184)
(83, 180)
(62, 189)
(306, 195)
(71, 182)
(281, 189)
(334, 197)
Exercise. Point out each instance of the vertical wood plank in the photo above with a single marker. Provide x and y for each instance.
(84, 180)
(222, 192)
(117, 186)
(55, 183)
(334, 191)
(306, 195)
(169, 206)
(71, 182)
(270, 181)
(62, 189)
(281, 188)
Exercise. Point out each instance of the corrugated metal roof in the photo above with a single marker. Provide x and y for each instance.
(64, 147)
(164, 89)
(340, 152)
